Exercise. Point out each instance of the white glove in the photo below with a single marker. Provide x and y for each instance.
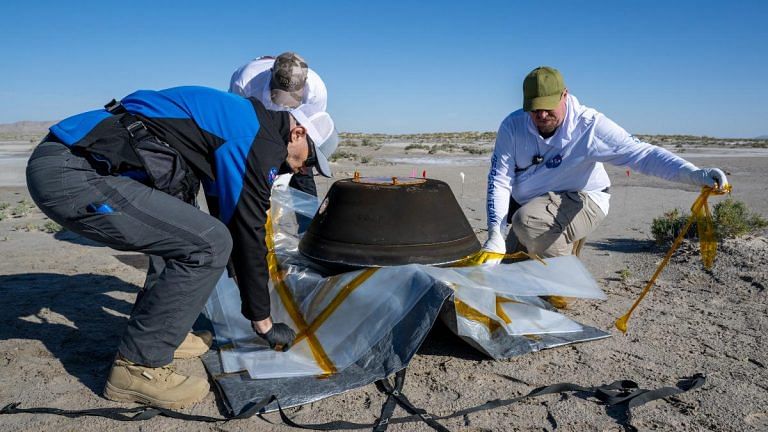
(281, 182)
(495, 244)
(712, 177)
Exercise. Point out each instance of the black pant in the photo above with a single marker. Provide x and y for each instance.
(192, 247)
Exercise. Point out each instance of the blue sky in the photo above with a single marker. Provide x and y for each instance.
(687, 67)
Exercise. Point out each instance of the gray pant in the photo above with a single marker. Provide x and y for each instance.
(549, 225)
(191, 248)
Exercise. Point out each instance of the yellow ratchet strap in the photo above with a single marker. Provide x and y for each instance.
(708, 242)
(321, 357)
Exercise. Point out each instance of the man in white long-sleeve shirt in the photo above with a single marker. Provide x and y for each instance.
(281, 84)
(300, 84)
(548, 163)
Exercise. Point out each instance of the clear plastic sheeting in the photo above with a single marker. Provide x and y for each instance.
(339, 318)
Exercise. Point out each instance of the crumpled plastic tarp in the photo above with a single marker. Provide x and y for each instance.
(353, 327)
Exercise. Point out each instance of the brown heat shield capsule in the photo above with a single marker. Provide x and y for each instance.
(376, 222)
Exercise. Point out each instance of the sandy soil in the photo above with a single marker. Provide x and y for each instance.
(65, 302)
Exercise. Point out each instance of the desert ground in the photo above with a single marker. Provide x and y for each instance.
(65, 302)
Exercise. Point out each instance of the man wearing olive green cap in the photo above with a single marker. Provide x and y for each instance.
(547, 180)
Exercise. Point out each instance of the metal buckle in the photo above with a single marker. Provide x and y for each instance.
(133, 127)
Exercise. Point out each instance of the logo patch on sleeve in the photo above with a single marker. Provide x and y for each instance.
(272, 175)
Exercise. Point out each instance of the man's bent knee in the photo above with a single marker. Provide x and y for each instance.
(220, 242)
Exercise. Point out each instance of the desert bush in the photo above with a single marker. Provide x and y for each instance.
(367, 142)
(3, 207)
(365, 159)
(624, 274)
(23, 208)
(341, 154)
(28, 227)
(474, 150)
(666, 228)
(443, 147)
(416, 147)
(732, 218)
(51, 227)
(348, 143)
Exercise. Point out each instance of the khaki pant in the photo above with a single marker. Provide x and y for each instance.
(549, 225)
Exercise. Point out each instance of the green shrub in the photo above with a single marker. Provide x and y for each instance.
(624, 274)
(365, 159)
(3, 207)
(348, 143)
(474, 150)
(52, 227)
(28, 227)
(443, 147)
(667, 227)
(416, 147)
(731, 217)
(341, 154)
(23, 208)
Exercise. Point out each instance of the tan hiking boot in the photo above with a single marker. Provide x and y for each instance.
(194, 345)
(161, 387)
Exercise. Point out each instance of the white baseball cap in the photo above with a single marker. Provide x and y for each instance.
(322, 134)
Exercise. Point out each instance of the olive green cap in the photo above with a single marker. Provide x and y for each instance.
(542, 89)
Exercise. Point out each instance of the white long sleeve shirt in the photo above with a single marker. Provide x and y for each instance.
(572, 159)
(252, 80)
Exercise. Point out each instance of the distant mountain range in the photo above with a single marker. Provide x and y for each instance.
(24, 130)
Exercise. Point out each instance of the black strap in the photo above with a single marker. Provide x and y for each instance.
(395, 395)
(114, 107)
(624, 392)
(139, 413)
(136, 128)
(387, 409)
(614, 394)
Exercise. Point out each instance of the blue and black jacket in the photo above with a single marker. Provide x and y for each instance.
(234, 145)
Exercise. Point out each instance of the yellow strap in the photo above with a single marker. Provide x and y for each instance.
(335, 303)
(483, 256)
(319, 354)
(699, 211)
(500, 310)
(473, 314)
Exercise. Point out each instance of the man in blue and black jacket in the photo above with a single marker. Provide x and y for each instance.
(127, 176)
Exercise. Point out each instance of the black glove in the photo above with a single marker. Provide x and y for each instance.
(280, 337)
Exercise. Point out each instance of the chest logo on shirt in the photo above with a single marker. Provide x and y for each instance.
(272, 175)
(554, 162)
